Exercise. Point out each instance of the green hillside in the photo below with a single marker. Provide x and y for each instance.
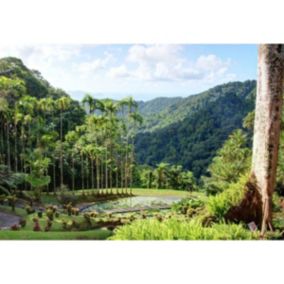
(191, 131)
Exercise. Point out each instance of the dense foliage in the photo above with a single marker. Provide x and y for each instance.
(55, 141)
(165, 175)
(201, 125)
(181, 229)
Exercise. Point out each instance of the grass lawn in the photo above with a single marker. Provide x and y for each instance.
(18, 211)
(159, 192)
(100, 234)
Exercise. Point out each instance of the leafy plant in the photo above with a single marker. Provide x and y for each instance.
(219, 204)
(181, 229)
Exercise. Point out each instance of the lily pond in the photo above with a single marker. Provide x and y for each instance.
(134, 203)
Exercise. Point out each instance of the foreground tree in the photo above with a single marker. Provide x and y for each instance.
(268, 110)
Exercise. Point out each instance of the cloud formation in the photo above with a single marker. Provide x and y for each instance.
(167, 63)
(94, 65)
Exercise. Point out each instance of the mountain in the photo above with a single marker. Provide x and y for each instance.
(190, 131)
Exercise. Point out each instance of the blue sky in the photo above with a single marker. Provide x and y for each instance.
(143, 71)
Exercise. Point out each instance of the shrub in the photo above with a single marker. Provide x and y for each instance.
(219, 204)
(48, 225)
(50, 213)
(15, 227)
(75, 211)
(36, 227)
(68, 208)
(65, 197)
(29, 209)
(181, 229)
(185, 204)
(23, 223)
(276, 202)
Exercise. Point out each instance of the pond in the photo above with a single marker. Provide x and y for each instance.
(132, 203)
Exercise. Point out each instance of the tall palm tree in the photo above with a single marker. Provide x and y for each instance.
(18, 116)
(62, 104)
(161, 174)
(4, 106)
(90, 102)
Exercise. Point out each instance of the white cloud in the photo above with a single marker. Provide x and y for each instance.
(40, 56)
(95, 65)
(167, 63)
(118, 72)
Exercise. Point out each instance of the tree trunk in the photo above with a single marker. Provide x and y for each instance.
(73, 173)
(267, 125)
(8, 147)
(15, 148)
(82, 171)
(92, 173)
(97, 173)
(61, 150)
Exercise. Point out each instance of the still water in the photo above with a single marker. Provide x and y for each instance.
(132, 202)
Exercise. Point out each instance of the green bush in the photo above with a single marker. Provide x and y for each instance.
(181, 229)
(219, 204)
(185, 204)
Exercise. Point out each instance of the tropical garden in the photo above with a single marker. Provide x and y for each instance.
(69, 169)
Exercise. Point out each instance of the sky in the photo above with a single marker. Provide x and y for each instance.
(143, 71)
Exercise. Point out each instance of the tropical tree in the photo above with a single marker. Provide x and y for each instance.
(161, 176)
(267, 123)
(62, 105)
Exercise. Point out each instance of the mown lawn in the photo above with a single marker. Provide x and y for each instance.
(159, 192)
(100, 234)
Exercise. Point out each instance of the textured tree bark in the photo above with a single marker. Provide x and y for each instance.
(267, 122)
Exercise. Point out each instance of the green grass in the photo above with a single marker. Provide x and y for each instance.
(100, 234)
(18, 211)
(159, 192)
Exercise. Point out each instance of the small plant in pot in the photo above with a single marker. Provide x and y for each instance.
(29, 209)
(15, 227)
(39, 213)
(49, 213)
(48, 225)
(23, 223)
(36, 227)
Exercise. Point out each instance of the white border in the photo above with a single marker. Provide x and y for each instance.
(147, 21)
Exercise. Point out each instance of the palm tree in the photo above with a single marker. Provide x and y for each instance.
(132, 116)
(161, 174)
(4, 106)
(91, 102)
(62, 104)
(71, 138)
(18, 116)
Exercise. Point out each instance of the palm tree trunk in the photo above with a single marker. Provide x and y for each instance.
(73, 173)
(267, 125)
(92, 172)
(121, 175)
(97, 173)
(87, 172)
(54, 175)
(61, 150)
(8, 146)
(15, 149)
(82, 171)
(106, 171)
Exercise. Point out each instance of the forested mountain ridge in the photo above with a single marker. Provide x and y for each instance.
(162, 112)
(193, 141)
